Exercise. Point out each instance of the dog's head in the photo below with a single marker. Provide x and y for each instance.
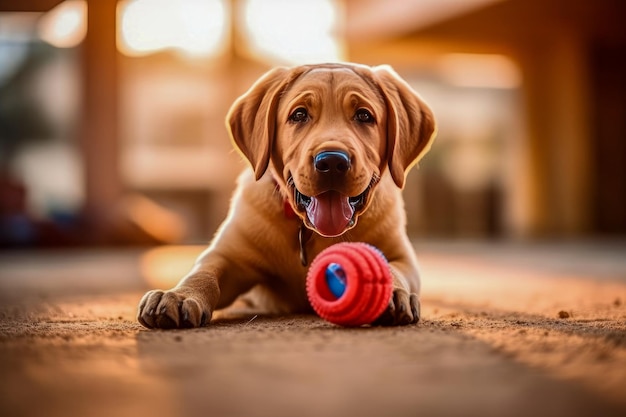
(328, 133)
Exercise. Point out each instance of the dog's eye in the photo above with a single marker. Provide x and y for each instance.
(299, 115)
(364, 116)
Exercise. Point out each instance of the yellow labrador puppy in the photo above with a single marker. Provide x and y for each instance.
(329, 146)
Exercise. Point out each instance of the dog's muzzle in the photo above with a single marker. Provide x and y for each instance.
(331, 213)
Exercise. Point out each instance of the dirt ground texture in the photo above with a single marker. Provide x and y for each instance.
(507, 330)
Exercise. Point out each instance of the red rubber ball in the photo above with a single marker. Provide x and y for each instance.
(368, 284)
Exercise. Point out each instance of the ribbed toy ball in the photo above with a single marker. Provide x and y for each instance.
(349, 284)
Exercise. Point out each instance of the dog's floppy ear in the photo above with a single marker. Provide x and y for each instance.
(252, 119)
(410, 124)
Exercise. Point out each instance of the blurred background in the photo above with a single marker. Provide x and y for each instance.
(112, 112)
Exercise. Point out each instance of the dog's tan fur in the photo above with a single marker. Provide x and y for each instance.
(257, 246)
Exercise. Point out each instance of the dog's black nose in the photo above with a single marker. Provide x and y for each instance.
(332, 162)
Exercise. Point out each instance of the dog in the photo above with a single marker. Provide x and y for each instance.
(329, 147)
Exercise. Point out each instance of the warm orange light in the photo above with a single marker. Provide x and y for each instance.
(65, 26)
(480, 71)
(155, 220)
(164, 266)
(195, 27)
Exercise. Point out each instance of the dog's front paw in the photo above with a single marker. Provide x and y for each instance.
(403, 309)
(170, 310)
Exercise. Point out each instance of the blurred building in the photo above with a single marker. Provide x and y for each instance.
(112, 113)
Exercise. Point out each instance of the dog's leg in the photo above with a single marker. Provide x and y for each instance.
(214, 283)
(404, 306)
(233, 264)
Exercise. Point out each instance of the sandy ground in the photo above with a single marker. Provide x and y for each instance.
(507, 330)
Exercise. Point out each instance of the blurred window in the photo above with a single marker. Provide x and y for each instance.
(193, 27)
(65, 26)
(293, 31)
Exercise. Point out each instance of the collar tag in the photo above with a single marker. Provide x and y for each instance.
(304, 235)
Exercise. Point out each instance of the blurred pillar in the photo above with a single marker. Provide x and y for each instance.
(99, 128)
(572, 154)
(609, 135)
(559, 160)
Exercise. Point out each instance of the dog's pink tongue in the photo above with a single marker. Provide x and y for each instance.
(330, 213)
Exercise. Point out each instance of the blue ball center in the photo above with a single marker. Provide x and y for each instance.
(336, 279)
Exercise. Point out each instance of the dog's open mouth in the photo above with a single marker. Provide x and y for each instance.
(331, 213)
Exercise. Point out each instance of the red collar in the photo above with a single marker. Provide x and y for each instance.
(289, 213)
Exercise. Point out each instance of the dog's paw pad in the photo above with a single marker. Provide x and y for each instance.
(169, 310)
(403, 309)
